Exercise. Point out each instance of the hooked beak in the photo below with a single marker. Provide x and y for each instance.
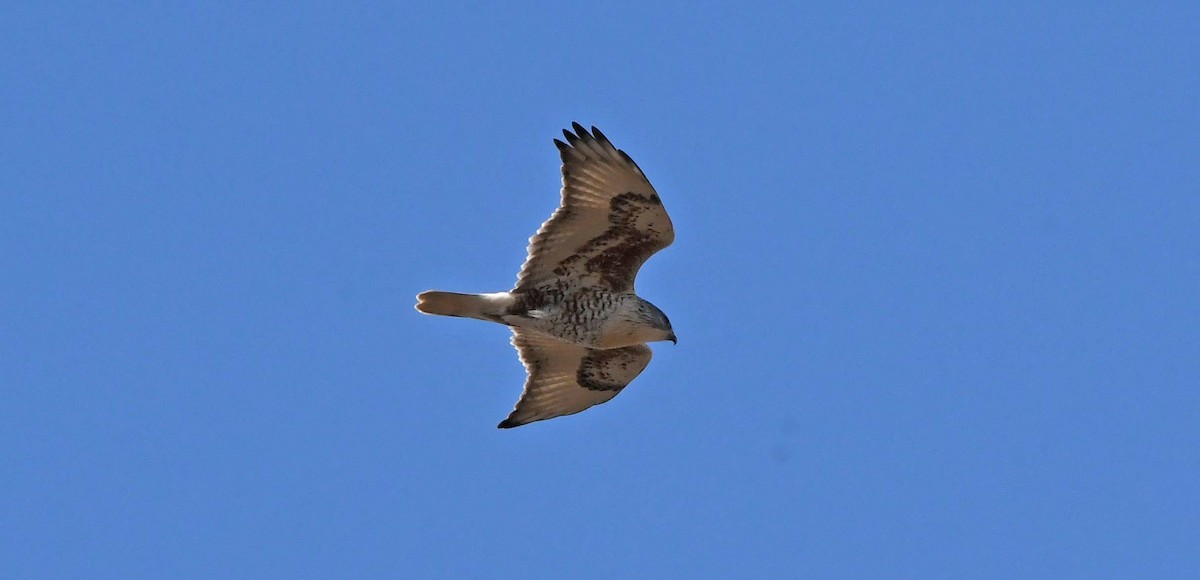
(673, 339)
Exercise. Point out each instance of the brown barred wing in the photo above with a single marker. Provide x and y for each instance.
(565, 378)
(610, 222)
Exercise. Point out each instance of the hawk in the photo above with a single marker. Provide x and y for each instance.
(579, 328)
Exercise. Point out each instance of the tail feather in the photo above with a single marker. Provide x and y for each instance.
(481, 306)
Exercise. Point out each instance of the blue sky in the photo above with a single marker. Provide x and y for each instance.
(935, 280)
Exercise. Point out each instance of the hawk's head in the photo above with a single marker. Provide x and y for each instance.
(653, 317)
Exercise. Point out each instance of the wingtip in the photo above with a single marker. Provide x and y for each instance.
(508, 424)
(581, 134)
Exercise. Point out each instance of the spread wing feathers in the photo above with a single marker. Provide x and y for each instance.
(566, 378)
(610, 221)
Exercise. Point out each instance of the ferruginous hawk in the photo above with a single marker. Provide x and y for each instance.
(578, 326)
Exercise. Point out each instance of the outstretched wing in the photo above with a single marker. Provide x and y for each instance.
(565, 378)
(610, 221)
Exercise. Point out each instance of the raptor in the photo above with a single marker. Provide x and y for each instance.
(578, 326)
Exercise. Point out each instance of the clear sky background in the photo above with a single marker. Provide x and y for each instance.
(936, 282)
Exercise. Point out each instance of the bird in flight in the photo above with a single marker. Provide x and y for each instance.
(578, 326)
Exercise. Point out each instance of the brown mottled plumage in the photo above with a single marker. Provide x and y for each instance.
(578, 326)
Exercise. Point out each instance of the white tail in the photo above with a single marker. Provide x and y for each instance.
(481, 306)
